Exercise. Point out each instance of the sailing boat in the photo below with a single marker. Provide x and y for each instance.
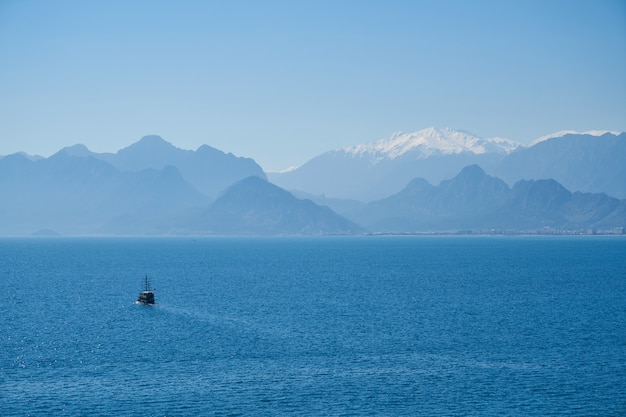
(147, 295)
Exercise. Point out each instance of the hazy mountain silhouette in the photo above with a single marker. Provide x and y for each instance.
(253, 206)
(474, 200)
(150, 188)
(137, 191)
(78, 195)
(208, 169)
(376, 170)
(546, 202)
(580, 162)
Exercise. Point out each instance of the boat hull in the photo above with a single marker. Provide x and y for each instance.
(146, 297)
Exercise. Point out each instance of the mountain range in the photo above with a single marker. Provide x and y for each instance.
(154, 188)
(588, 162)
(78, 195)
(207, 169)
(473, 200)
(151, 188)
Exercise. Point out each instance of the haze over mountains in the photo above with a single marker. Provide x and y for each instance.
(473, 200)
(591, 162)
(570, 181)
(207, 169)
(151, 187)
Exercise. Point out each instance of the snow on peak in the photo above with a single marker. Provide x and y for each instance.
(571, 132)
(429, 142)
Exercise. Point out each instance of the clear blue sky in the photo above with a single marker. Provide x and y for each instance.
(283, 81)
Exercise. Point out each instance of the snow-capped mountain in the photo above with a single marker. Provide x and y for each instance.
(562, 133)
(590, 161)
(370, 171)
(430, 142)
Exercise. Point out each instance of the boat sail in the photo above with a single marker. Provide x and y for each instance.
(147, 295)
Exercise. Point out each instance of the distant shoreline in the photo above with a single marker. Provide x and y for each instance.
(618, 233)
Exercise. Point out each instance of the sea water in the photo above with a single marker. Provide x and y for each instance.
(484, 326)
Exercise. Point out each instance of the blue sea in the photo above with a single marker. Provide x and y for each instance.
(330, 326)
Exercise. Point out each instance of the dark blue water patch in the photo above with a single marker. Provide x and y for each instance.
(314, 326)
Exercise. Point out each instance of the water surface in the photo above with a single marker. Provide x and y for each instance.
(478, 326)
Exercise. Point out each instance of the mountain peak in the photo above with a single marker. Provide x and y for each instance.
(430, 142)
(256, 206)
(152, 141)
(149, 152)
(472, 171)
(77, 150)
